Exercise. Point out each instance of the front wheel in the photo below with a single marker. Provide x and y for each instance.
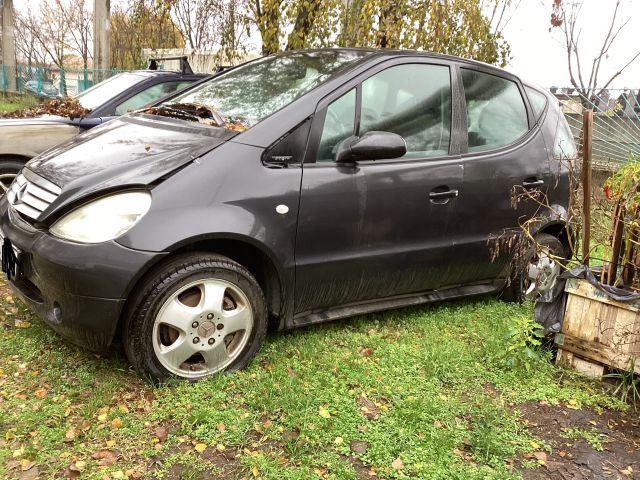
(198, 315)
(9, 169)
(542, 266)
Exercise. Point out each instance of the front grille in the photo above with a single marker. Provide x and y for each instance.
(30, 194)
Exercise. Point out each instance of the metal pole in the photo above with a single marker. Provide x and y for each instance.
(587, 143)
(101, 37)
(9, 44)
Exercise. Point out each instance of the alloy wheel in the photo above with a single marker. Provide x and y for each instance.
(202, 328)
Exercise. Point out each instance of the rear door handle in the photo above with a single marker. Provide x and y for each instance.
(532, 183)
(442, 195)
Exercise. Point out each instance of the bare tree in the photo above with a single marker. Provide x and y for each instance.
(587, 80)
(196, 20)
(28, 48)
(80, 26)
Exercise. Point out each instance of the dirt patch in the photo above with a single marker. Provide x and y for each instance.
(616, 433)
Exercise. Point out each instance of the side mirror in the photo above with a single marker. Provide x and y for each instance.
(371, 146)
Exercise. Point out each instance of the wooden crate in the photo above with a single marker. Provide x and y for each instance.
(598, 331)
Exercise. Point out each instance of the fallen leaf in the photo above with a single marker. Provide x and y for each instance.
(366, 351)
(200, 447)
(220, 427)
(255, 471)
(30, 474)
(70, 435)
(397, 464)
(161, 433)
(116, 423)
(359, 447)
(540, 456)
(627, 471)
(324, 412)
(26, 464)
(105, 457)
(147, 147)
(338, 440)
(41, 393)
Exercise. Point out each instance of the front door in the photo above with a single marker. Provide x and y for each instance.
(378, 229)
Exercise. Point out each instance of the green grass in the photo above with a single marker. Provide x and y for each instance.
(429, 393)
(11, 103)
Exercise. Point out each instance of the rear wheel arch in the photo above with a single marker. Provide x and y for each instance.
(561, 231)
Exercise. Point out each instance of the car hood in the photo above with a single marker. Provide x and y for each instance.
(39, 120)
(133, 150)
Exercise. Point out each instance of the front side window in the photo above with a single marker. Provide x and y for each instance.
(413, 101)
(149, 95)
(496, 112)
(104, 91)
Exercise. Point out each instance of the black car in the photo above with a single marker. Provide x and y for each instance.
(23, 138)
(294, 189)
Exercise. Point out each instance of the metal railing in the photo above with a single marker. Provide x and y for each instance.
(49, 82)
(616, 121)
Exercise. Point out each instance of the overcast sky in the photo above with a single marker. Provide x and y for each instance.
(539, 55)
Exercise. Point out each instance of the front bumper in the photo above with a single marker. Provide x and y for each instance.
(79, 290)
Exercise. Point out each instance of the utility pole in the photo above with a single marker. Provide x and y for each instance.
(101, 37)
(8, 45)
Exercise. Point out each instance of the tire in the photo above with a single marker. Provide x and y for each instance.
(196, 303)
(515, 292)
(9, 168)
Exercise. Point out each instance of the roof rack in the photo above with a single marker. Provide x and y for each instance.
(184, 63)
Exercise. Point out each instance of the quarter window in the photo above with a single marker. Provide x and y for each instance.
(538, 101)
(411, 100)
(497, 115)
(339, 123)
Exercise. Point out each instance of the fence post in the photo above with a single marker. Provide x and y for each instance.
(587, 144)
(63, 83)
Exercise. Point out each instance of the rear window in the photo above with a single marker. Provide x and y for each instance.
(496, 112)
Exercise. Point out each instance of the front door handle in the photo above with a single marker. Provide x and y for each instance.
(442, 195)
(533, 183)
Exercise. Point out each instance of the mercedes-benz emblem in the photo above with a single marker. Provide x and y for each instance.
(20, 193)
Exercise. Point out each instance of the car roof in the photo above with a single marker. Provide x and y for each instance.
(396, 53)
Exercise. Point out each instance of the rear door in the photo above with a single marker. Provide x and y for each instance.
(379, 228)
(506, 173)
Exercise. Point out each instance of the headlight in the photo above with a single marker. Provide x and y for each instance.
(103, 219)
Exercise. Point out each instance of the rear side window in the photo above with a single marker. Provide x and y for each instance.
(565, 145)
(538, 101)
(497, 115)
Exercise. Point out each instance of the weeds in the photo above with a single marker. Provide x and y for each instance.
(628, 387)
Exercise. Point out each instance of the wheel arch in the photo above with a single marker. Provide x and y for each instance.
(19, 158)
(240, 250)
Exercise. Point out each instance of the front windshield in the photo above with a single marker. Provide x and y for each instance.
(104, 91)
(253, 91)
